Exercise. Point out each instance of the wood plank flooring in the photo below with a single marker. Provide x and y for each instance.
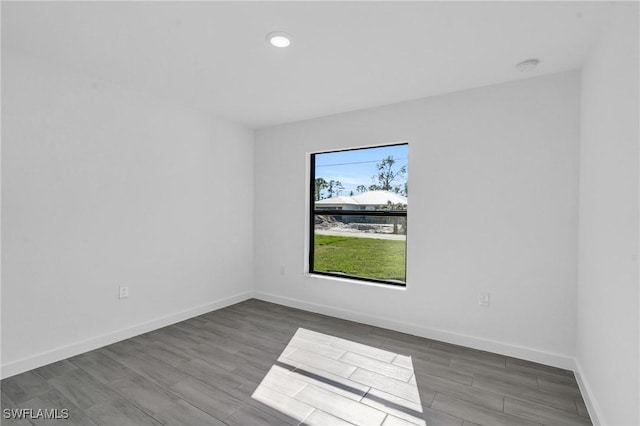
(242, 365)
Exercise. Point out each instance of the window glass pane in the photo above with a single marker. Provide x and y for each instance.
(353, 193)
(354, 172)
(372, 247)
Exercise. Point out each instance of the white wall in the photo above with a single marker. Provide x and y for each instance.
(493, 175)
(607, 333)
(103, 187)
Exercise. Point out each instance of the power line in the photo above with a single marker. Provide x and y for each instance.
(356, 162)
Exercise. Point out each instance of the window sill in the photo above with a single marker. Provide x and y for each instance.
(356, 281)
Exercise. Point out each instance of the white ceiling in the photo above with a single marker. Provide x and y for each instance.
(344, 56)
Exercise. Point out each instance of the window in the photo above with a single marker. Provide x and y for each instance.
(358, 213)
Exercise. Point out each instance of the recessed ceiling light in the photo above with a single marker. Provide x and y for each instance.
(279, 39)
(527, 65)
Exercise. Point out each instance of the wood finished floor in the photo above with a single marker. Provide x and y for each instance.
(204, 371)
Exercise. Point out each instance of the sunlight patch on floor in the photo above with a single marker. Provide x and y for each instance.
(321, 379)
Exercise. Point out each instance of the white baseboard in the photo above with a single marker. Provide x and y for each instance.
(63, 352)
(592, 406)
(529, 354)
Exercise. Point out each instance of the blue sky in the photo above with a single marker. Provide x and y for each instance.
(357, 167)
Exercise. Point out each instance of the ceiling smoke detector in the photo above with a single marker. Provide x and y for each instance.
(279, 39)
(527, 65)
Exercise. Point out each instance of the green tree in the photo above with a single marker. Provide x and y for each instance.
(361, 188)
(334, 187)
(387, 175)
(321, 184)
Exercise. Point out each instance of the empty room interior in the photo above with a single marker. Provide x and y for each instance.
(320, 213)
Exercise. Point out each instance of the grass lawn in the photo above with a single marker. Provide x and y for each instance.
(362, 257)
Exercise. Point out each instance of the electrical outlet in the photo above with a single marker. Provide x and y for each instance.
(124, 292)
(484, 299)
